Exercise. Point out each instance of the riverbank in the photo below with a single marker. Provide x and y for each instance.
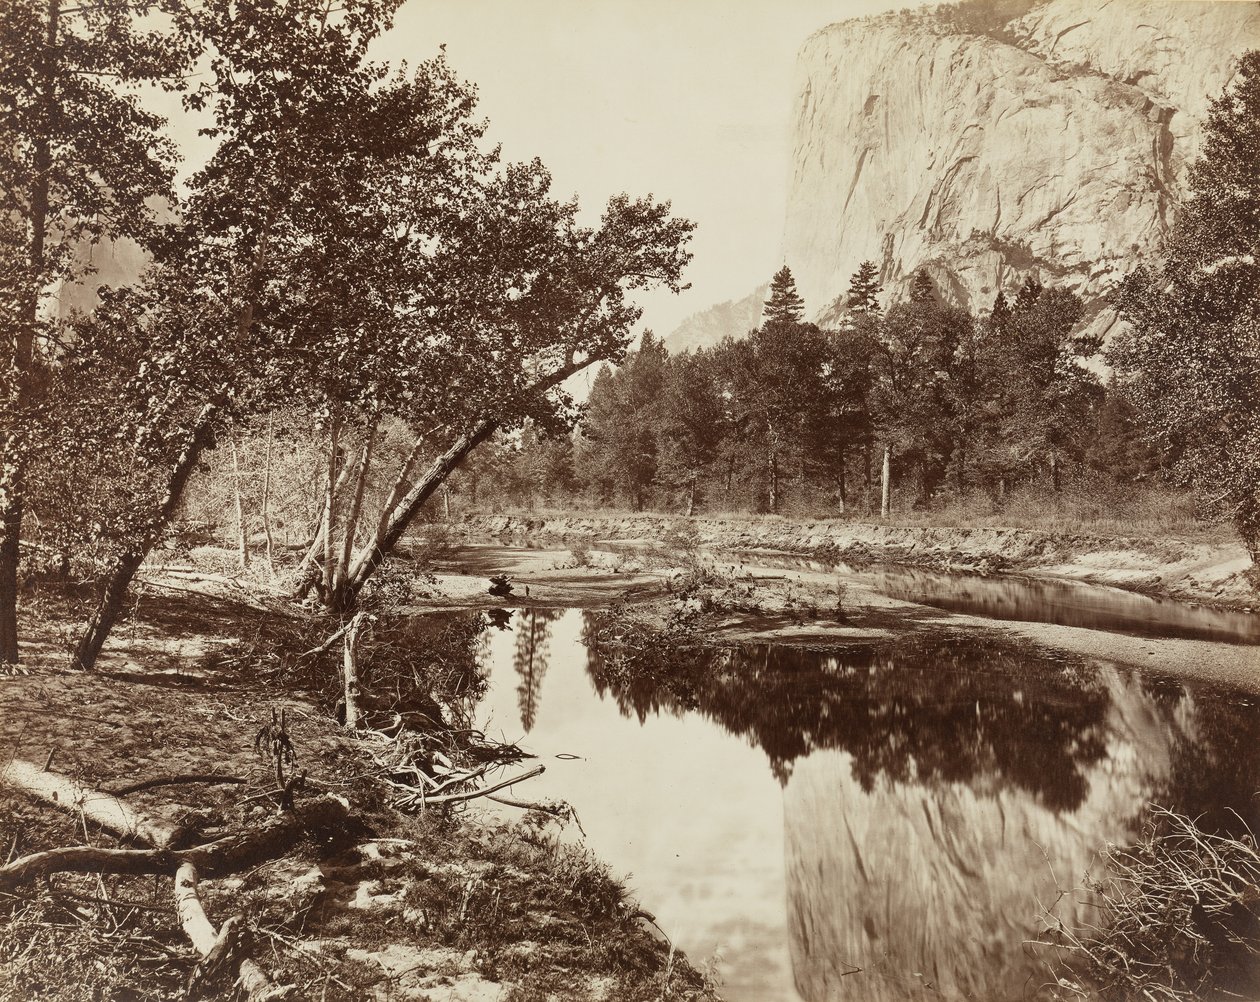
(450, 902)
(1193, 571)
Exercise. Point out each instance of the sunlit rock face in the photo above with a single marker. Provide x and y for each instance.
(905, 890)
(1057, 145)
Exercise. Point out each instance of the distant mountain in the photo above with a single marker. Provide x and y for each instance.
(983, 150)
(734, 318)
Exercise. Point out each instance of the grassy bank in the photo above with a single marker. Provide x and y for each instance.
(1208, 569)
(377, 900)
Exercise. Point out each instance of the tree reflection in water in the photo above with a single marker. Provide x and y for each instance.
(530, 657)
(923, 709)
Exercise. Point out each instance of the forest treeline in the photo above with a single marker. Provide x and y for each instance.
(794, 417)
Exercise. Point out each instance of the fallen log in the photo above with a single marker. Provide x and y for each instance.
(110, 812)
(263, 840)
(218, 949)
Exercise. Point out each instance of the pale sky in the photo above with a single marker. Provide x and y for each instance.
(689, 100)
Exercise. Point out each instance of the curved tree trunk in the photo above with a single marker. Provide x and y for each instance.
(123, 571)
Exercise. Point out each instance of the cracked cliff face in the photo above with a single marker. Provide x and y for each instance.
(1059, 148)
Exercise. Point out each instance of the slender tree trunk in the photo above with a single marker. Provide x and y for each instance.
(409, 506)
(446, 503)
(330, 510)
(691, 495)
(866, 475)
(341, 571)
(266, 503)
(242, 542)
(773, 471)
(311, 566)
(1054, 471)
(13, 478)
(885, 501)
(124, 568)
(350, 667)
(843, 487)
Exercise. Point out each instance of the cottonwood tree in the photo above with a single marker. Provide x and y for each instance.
(1191, 359)
(81, 161)
(296, 110)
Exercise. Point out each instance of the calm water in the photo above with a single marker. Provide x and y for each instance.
(866, 822)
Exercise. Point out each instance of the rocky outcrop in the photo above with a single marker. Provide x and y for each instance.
(1056, 144)
(1058, 149)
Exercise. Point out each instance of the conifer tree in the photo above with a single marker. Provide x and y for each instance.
(784, 306)
(864, 289)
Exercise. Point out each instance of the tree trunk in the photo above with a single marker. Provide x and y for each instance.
(885, 499)
(1054, 471)
(866, 476)
(350, 669)
(446, 503)
(13, 489)
(330, 511)
(691, 495)
(110, 604)
(242, 542)
(409, 506)
(266, 503)
(773, 472)
(843, 487)
(351, 527)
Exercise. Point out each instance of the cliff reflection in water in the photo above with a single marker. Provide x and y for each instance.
(937, 790)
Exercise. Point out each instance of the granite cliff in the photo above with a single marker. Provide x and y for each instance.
(1055, 143)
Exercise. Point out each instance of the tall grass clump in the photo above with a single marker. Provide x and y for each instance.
(1179, 919)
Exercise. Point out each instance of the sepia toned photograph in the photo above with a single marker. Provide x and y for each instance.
(629, 501)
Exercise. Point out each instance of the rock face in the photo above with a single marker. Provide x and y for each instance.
(733, 318)
(1055, 144)
(1059, 149)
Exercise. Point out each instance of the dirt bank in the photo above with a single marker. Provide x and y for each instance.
(1192, 571)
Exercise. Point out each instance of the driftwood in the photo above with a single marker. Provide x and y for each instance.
(110, 812)
(231, 853)
(423, 799)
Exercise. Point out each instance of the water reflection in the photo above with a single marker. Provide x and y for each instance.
(926, 710)
(935, 793)
(533, 638)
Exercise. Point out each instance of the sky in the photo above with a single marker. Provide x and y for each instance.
(690, 100)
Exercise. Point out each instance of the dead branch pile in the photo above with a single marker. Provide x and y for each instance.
(1179, 918)
(223, 954)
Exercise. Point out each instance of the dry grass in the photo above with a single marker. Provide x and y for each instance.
(1179, 919)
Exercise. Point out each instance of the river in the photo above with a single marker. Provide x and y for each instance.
(884, 820)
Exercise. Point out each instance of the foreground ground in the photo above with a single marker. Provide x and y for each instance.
(450, 903)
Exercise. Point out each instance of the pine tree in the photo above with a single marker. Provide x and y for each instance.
(784, 306)
(864, 289)
(921, 289)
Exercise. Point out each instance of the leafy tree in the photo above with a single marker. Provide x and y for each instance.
(915, 393)
(81, 161)
(1191, 357)
(864, 289)
(691, 425)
